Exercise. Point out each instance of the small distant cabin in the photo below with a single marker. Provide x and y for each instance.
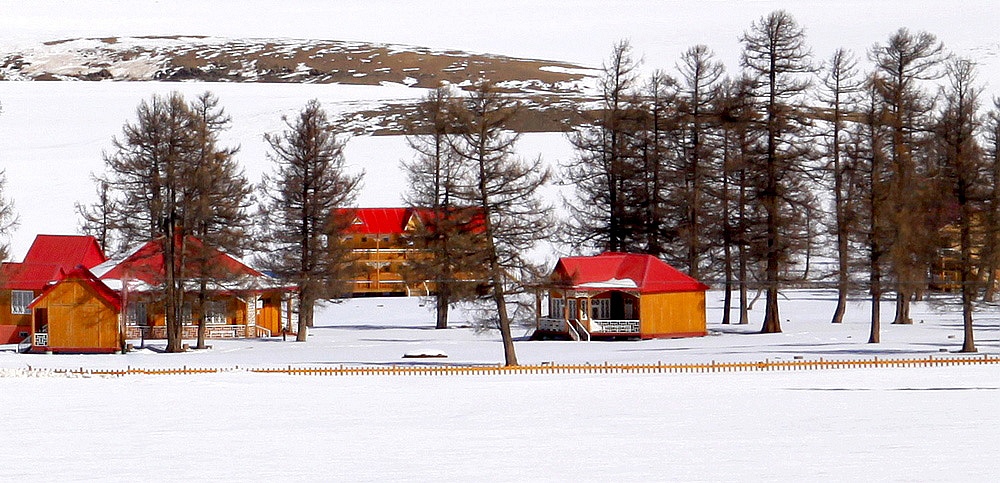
(622, 295)
(77, 314)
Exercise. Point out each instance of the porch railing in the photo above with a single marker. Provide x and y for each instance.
(602, 326)
(615, 326)
(549, 324)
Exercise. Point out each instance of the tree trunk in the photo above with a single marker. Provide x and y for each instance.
(875, 335)
(742, 253)
(202, 289)
(842, 261)
(902, 305)
(875, 274)
(991, 282)
(306, 302)
(442, 302)
(171, 307)
(967, 278)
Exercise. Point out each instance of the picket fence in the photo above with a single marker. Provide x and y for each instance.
(547, 368)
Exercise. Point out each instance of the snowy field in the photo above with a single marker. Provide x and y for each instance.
(901, 424)
(891, 424)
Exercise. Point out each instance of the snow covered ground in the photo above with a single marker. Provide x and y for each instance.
(892, 424)
(900, 424)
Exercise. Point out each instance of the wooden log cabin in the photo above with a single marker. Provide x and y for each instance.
(66, 296)
(47, 260)
(78, 314)
(382, 242)
(622, 295)
(240, 302)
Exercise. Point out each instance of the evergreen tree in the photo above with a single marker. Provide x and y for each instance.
(991, 239)
(308, 185)
(149, 172)
(839, 84)
(449, 230)
(504, 188)
(700, 75)
(963, 175)
(605, 163)
(901, 64)
(219, 202)
(775, 54)
(8, 219)
(166, 179)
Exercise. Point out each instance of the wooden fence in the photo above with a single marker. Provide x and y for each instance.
(545, 368)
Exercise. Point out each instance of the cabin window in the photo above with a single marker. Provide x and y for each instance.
(19, 301)
(385, 238)
(600, 309)
(136, 314)
(215, 312)
(556, 311)
(186, 317)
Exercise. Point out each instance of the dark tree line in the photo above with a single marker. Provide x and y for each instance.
(746, 177)
(742, 177)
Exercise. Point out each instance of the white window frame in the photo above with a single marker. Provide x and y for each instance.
(556, 311)
(600, 309)
(20, 300)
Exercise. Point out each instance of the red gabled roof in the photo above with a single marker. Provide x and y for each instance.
(47, 258)
(376, 221)
(623, 271)
(67, 251)
(395, 221)
(147, 264)
(28, 276)
(81, 274)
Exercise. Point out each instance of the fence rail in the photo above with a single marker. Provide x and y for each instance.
(545, 368)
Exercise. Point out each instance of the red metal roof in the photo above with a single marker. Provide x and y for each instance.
(146, 263)
(603, 272)
(67, 251)
(376, 221)
(394, 221)
(28, 276)
(81, 274)
(48, 258)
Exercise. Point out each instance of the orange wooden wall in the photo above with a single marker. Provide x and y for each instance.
(679, 314)
(79, 319)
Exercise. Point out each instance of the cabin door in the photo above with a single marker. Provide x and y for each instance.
(41, 320)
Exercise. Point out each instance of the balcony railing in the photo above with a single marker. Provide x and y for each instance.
(619, 326)
(604, 326)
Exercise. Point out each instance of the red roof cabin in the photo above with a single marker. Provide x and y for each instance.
(77, 314)
(622, 295)
(241, 302)
(48, 259)
(381, 243)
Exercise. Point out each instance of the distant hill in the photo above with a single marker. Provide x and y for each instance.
(552, 90)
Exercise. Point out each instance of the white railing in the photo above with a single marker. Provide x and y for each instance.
(581, 330)
(612, 326)
(621, 326)
(262, 332)
(552, 325)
